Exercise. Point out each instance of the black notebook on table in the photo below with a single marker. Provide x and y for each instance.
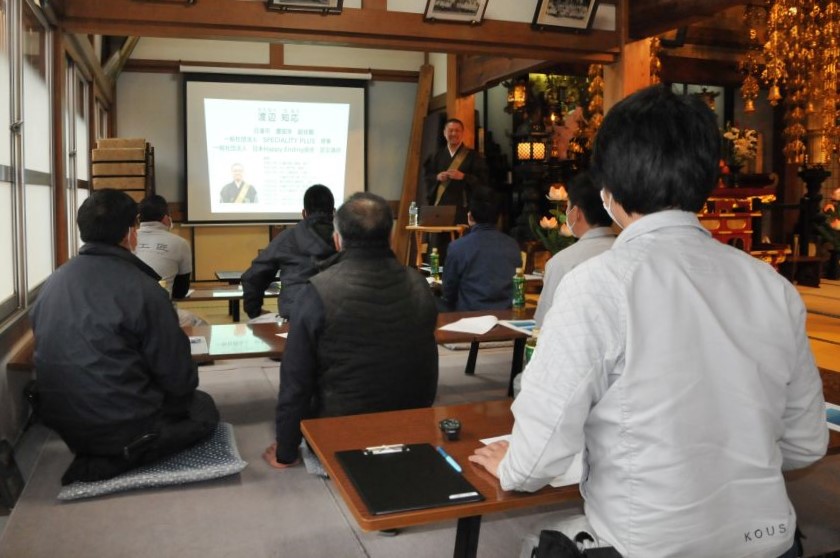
(413, 477)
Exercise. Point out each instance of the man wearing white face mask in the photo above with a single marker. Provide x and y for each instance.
(590, 224)
(167, 253)
(678, 365)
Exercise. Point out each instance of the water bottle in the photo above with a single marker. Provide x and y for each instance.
(531, 345)
(519, 289)
(434, 264)
(412, 214)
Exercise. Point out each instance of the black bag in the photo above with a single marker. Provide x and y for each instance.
(554, 544)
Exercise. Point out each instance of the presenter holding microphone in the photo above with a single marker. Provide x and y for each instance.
(238, 191)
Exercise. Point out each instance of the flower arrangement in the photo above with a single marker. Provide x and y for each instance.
(741, 144)
(828, 226)
(553, 231)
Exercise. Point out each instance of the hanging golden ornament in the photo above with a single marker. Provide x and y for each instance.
(774, 96)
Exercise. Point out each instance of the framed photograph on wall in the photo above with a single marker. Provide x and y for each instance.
(323, 6)
(572, 15)
(466, 11)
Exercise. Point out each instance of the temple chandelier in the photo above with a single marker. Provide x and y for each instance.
(800, 65)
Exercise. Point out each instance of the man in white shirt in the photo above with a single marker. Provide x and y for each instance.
(679, 365)
(167, 253)
(589, 222)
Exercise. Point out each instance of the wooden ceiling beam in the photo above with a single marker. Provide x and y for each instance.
(652, 17)
(231, 19)
(477, 73)
(723, 73)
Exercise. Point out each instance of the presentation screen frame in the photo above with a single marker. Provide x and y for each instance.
(267, 115)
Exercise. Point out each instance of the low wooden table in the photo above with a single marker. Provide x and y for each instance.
(498, 333)
(326, 436)
(240, 340)
(232, 278)
(232, 294)
(454, 231)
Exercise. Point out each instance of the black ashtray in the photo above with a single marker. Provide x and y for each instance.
(451, 428)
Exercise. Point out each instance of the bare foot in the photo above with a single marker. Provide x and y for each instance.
(270, 456)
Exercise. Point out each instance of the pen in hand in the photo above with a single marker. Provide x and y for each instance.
(449, 459)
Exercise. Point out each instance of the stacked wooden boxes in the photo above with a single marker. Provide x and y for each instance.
(124, 164)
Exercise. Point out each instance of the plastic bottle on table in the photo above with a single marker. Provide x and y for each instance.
(434, 264)
(412, 214)
(519, 289)
(531, 345)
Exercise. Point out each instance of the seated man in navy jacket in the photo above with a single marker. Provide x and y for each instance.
(295, 252)
(362, 338)
(479, 269)
(115, 375)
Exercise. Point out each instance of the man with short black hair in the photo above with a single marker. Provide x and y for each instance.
(480, 266)
(115, 375)
(295, 252)
(678, 365)
(589, 222)
(167, 253)
(362, 338)
(454, 171)
(450, 176)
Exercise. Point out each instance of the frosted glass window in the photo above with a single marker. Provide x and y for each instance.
(82, 120)
(36, 95)
(7, 243)
(39, 234)
(5, 90)
(81, 195)
(101, 115)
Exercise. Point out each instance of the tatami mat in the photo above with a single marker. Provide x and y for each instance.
(264, 513)
(259, 513)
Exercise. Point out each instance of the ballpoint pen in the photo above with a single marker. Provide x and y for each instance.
(449, 459)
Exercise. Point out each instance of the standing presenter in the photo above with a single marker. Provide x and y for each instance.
(454, 171)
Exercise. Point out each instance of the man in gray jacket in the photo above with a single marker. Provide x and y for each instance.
(115, 376)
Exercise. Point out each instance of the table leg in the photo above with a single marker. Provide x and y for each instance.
(516, 361)
(418, 240)
(466, 537)
(234, 310)
(471, 358)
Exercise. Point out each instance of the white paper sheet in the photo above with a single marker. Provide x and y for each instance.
(478, 325)
(198, 345)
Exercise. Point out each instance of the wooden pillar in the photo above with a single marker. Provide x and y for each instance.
(400, 239)
(59, 77)
(629, 74)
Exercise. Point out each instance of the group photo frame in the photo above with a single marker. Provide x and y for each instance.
(465, 11)
(322, 6)
(570, 15)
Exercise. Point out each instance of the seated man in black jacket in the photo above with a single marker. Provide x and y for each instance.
(362, 338)
(115, 376)
(296, 252)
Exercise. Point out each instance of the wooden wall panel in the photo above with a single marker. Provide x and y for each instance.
(226, 249)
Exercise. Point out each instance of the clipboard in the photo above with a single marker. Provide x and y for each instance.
(408, 477)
